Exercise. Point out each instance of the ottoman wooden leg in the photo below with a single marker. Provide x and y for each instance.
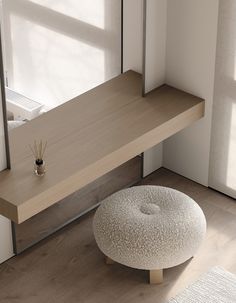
(109, 261)
(156, 276)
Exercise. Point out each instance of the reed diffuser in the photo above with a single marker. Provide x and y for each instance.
(38, 151)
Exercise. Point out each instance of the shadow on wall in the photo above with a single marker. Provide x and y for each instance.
(56, 50)
(223, 145)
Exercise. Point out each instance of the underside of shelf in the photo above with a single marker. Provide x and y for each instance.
(88, 137)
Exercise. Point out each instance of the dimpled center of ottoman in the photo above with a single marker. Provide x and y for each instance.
(150, 209)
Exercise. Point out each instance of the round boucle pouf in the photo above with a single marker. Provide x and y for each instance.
(149, 227)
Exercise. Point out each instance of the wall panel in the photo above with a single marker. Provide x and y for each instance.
(133, 35)
(190, 66)
(154, 66)
(223, 145)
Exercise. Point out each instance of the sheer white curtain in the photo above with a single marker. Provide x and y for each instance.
(223, 145)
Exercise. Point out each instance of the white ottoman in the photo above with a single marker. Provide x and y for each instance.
(149, 227)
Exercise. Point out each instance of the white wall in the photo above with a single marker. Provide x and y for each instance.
(133, 35)
(155, 67)
(6, 249)
(56, 50)
(223, 145)
(156, 28)
(190, 65)
(152, 159)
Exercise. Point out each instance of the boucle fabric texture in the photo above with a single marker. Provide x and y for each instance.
(149, 227)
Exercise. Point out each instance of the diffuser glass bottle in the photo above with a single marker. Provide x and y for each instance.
(39, 167)
(38, 151)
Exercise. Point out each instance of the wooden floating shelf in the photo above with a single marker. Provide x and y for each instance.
(88, 137)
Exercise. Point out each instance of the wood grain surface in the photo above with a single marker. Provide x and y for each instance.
(88, 137)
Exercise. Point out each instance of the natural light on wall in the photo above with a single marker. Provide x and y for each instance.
(231, 164)
(89, 11)
(56, 50)
(53, 74)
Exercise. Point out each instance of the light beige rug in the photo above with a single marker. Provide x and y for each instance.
(215, 286)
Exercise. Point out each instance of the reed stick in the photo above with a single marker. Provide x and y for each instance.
(44, 148)
(33, 152)
(38, 149)
(35, 149)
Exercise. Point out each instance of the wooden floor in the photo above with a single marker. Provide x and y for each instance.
(68, 267)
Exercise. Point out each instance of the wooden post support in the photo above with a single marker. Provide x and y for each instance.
(156, 276)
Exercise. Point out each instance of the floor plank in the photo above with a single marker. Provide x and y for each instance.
(68, 267)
